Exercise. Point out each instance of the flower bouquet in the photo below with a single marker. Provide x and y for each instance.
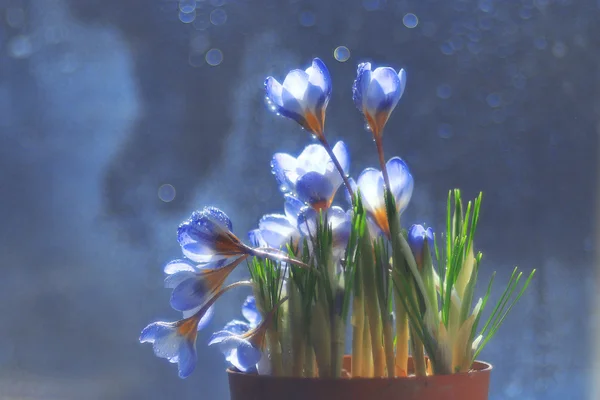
(318, 271)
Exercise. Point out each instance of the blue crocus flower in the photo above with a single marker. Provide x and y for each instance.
(376, 94)
(371, 186)
(176, 341)
(278, 230)
(312, 176)
(241, 341)
(206, 236)
(194, 285)
(303, 96)
(338, 220)
(417, 235)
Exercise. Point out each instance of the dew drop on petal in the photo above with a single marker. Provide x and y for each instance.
(341, 53)
(166, 193)
(214, 57)
(410, 20)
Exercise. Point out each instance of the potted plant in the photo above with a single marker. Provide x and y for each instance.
(318, 269)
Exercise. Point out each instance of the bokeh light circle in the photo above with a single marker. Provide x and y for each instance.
(410, 20)
(341, 53)
(166, 193)
(214, 57)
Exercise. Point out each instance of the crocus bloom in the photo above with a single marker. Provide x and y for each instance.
(303, 96)
(176, 341)
(206, 236)
(312, 176)
(337, 218)
(241, 341)
(371, 186)
(194, 285)
(376, 94)
(417, 235)
(277, 230)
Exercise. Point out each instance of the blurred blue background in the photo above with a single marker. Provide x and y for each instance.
(120, 117)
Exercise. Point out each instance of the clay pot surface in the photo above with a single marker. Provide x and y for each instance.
(473, 385)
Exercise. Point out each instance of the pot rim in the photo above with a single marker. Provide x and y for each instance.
(478, 367)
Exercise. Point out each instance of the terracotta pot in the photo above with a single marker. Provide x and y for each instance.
(473, 385)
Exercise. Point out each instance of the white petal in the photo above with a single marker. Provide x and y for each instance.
(343, 156)
(314, 157)
(274, 91)
(295, 83)
(370, 184)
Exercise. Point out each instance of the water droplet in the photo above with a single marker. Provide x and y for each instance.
(493, 100)
(410, 20)
(187, 18)
(367, 127)
(166, 193)
(341, 53)
(444, 91)
(314, 137)
(20, 46)
(214, 57)
(283, 188)
(187, 6)
(218, 16)
(307, 19)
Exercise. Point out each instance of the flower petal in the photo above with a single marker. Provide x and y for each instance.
(256, 239)
(343, 156)
(318, 90)
(294, 86)
(292, 207)
(307, 221)
(283, 167)
(174, 280)
(315, 189)
(314, 157)
(237, 327)
(250, 312)
(206, 318)
(172, 342)
(276, 230)
(189, 294)
(274, 91)
(370, 183)
(401, 182)
(175, 266)
(361, 85)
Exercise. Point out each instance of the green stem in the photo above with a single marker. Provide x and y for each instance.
(388, 342)
(418, 355)
(337, 345)
(309, 361)
(275, 352)
(320, 337)
(358, 326)
(402, 336)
